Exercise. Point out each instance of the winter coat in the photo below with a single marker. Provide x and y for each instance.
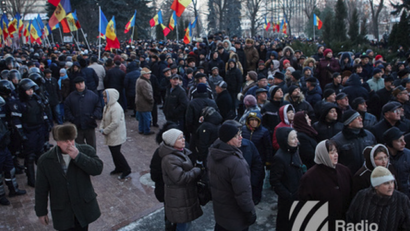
(175, 104)
(346, 66)
(324, 129)
(72, 193)
(154, 67)
(326, 184)
(313, 96)
(144, 95)
(82, 109)
(53, 90)
(369, 121)
(324, 70)
(65, 89)
(115, 79)
(337, 89)
(301, 105)
(113, 121)
(224, 102)
(194, 110)
(367, 71)
(355, 89)
(390, 213)
(91, 78)
(283, 123)
(216, 63)
(270, 114)
(307, 152)
(180, 178)
(292, 59)
(242, 59)
(376, 84)
(252, 157)
(350, 147)
(206, 134)
(401, 162)
(233, 78)
(235, 58)
(261, 138)
(156, 175)
(252, 58)
(230, 183)
(130, 79)
(382, 126)
(100, 71)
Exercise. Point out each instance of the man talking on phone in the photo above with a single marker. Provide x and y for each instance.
(64, 173)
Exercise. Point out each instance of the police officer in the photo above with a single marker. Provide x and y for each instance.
(30, 120)
(15, 77)
(6, 164)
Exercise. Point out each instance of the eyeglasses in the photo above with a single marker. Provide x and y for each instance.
(238, 135)
(382, 158)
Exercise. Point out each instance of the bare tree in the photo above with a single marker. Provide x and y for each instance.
(309, 7)
(20, 6)
(375, 16)
(253, 8)
(219, 10)
(288, 8)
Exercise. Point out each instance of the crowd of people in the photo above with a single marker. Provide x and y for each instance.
(240, 114)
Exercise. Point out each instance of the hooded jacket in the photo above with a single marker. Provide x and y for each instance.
(324, 129)
(130, 79)
(180, 177)
(113, 121)
(235, 58)
(313, 96)
(270, 114)
(355, 88)
(207, 133)
(252, 58)
(291, 57)
(229, 178)
(283, 123)
(301, 105)
(325, 69)
(346, 66)
(233, 78)
(216, 63)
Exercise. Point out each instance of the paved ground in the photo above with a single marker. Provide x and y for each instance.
(125, 205)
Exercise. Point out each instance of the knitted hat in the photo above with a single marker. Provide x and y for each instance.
(63, 132)
(297, 75)
(63, 71)
(279, 75)
(227, 131)
(253, 75)
(249, 101)
(378, 57)
(222, 84)
(145, 71)
(356, 102)
(170, 137)
(328, 92)
(292, 88)
(392, 134)
(376, 71)
(261, 62)
(189, 70)
(349, 116)
(273, 90)
(285, 61)
(380, 175)
(327, 51)
(402, 73)
(69, 64)
(201, 88)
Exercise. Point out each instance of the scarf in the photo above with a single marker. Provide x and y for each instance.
(300, 124)
(60, 79)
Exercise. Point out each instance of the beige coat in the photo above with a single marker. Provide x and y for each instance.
(144, 96)
(113, 121)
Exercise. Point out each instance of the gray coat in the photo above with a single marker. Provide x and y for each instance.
(144, 95)
(229, 178)
(180, 177)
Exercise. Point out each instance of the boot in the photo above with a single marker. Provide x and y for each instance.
(30, 175)
(3, 199)
(13, 186)
(19, 168)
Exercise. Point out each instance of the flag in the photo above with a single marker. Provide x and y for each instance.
(277, 26)
(173, 21)
(193, 23)
(77, 23)
(47, 29)
(26, 33)
(61, 11)
(111, 37)
(157, 19)
(12, 27)
(285, 27)
(20, 24)
(317, 22)
(64, 25)
(71, 22)
(188, 33)
(103, 24)
(34, 36)
(165, 29)
(55, 27)
(54, 2)
(131, 23)
(179, 6)
(37, 21)
(5, 26)
(267, 24)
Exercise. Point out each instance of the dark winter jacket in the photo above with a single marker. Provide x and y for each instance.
(325, 68)
(337, 89)
(292, 59)
(233, 78)
(313, 96)
(224, 102)
(206, 134)
(261, 138)
(53, 90)
(369, 121)
(355, 89)
(307, 152)
(324, 129)
(401, 162)
(382, 126)
(346, 66)
(229, 177)
(83, 109)
(91, 78)
(389, 213)
(194, 110)
(216, 63)
(284, 122)
(270, 114)
(367, 72)
(175, 104)
(156, 175)
(114, 79)
(350, 147)
(130, 79)
(180, 178)
(301, 105)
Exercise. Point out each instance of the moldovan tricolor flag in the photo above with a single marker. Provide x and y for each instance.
(103, 24)
(12, 27)
(173, 21)
(61, 11)
(111, 37)
(267, 24)
(131, 23)
(5, 26)
(188, 34)
(157, 19)
(165, 30)
(179, 6)
(317, 22)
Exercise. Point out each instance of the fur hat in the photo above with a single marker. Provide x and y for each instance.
(145, 71)
(380, 175)
(170, 137)
(63, 132)
(248, 40)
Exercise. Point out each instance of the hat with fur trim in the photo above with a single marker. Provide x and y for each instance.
(63, 132)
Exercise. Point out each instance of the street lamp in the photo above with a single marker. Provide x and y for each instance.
(3, 7)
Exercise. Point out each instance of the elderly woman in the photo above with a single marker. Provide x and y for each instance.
(112, 126)
(377, 155)
(306, 136)
(327, 181)
(381, 204)
(180, 178)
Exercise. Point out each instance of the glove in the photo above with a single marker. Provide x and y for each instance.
(240, 96)
(251, 217)
(102, 131)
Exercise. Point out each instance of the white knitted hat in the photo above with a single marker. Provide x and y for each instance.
(170, 137)
(380, 175)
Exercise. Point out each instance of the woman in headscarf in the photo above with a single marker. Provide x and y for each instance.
(327, 181)
(306, 136)
(377, 155)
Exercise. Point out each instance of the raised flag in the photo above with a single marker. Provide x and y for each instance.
(157, 19)
(131, 23)
(61, 11)
(26, 33)
(5, 26)
(55, 27)
(285, 27)
(111, 37)
(277, 26)
(103, 24)
(77, 23)
(193, 23)
(54, 2)
(173, 21)
(267, 24)
(317, 22)
(20, 24)
(64, 25)
(37, 21)
(187, 37)
(179, 6)
(34, 36)
(165, 30)
(71, 22)
(12, 27)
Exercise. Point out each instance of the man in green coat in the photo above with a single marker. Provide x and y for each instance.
(64, 173)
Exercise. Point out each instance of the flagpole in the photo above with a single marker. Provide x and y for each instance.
(86, 40)
(177, 30)
(99, 33)
(61, 35)
(78, 47)
(52, 37)
(313, 22)
(132, 36)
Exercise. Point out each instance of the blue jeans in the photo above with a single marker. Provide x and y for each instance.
(56, 113)
(184, 226)
(144, 121)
